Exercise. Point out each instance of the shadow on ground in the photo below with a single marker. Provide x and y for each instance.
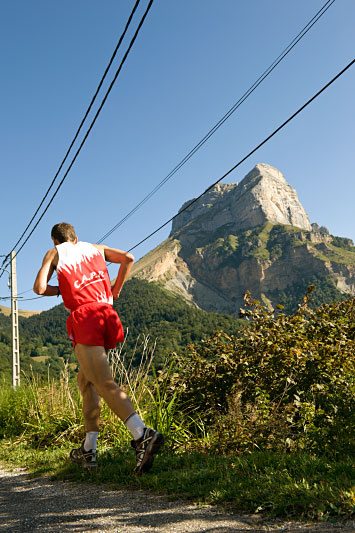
(40, 504)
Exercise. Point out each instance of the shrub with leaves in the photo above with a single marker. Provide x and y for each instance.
(284, 383)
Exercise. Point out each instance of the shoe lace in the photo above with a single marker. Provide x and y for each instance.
(141, 448)
(90, 455)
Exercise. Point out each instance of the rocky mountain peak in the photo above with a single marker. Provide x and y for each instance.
(267, 171)
(253, 235)
(262, 196)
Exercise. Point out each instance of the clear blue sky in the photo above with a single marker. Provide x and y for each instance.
(192, 60)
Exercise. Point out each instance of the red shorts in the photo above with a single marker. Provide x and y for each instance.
(96, 324)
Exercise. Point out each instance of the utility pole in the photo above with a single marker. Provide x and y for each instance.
(14, 320)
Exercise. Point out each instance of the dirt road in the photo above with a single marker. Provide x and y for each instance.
(51, 506)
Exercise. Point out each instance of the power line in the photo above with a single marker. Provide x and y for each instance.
(19, 298)
(225, 117)
(248, 155)
(24, 292)
(34, 298)
(83, 120)
(80, 126)
(91, 125)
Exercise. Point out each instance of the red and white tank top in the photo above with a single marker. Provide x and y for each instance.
(82, 275)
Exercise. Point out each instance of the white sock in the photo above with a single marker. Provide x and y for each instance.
(135, 425)
(91, 440)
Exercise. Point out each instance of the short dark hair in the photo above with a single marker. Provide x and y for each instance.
(63, 232)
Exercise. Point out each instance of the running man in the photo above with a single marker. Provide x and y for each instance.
(94, 327)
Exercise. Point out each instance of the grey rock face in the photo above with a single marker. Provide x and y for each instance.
(320, 229)
(215, 277)
(262, 196)
(214, 254)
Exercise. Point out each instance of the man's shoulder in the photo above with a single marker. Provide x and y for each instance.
(52, 252)
(99, 247)
(52, 255)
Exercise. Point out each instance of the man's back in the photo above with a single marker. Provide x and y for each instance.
(82, 275)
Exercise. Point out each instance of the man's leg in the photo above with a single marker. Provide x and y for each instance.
(94, 365)
(91, 411)
(91, 403)
(86, 454)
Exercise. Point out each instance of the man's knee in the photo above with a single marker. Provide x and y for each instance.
(106, 386)
(83, 382)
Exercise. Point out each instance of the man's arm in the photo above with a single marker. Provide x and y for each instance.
(125, 259)
(45, 273)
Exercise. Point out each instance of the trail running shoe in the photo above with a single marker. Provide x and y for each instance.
(146, 447)
(84, 458)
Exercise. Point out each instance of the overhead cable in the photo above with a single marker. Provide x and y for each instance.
(242, 99)
(83, 120)
(91, 125)
(20, 298)
(248, 155)
(34, 298)
(24, 292)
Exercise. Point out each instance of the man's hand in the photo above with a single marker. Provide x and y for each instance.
(125, 259)
(115, 294)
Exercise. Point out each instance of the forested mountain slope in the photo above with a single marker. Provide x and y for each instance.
(253, 235)
(146, 309)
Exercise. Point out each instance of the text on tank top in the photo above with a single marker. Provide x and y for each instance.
(82, 275)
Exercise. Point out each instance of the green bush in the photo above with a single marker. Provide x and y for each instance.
(284, 383)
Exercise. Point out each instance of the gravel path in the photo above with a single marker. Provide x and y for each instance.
(50, 506)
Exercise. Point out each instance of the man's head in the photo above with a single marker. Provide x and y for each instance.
(63, 232)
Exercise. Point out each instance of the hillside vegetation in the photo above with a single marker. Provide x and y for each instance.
(148, 309)
(277, 382)
(284, 383)
(7, 312)
(225, 254)
(263, 419)
(145, 309)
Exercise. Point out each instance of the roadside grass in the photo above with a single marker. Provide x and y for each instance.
(295, 485)
(220, 459)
